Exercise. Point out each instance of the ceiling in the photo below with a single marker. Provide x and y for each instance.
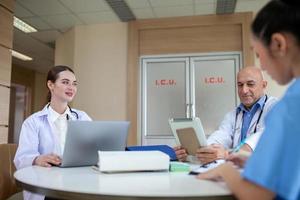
(53, 17)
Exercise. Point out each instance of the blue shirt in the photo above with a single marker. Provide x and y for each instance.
(275, 163)
(248, 115)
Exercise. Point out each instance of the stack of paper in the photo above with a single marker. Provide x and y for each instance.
(124, 161)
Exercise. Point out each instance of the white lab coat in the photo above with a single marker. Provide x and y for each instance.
(38, 136)
(229, 132)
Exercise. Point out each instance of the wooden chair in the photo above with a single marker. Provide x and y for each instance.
(8, 185)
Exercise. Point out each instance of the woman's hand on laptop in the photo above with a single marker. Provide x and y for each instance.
(47, 160)
(211, 153)
(181, 153)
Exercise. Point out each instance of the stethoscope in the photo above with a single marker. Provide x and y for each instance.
(258, 119)
(72, 112)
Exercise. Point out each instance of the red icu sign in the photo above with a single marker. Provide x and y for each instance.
(214, 80)
(165, 82)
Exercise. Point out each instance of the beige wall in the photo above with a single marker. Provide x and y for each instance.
(99, 60)
(273, 88)
(64, 49)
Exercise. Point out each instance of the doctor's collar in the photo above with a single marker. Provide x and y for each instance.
(260, 102)
(54, 115)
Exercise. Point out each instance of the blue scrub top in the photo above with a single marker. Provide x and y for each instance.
(275, 163)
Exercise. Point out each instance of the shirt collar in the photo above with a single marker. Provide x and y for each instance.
(45, 112)
(53, 115)
(260, 103)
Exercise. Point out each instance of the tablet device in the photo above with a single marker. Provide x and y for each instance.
(189, 133)
(85, 138)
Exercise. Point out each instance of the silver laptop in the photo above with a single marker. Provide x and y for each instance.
(85, 138)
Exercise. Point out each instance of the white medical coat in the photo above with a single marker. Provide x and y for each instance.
(38, 137)
(229, 132)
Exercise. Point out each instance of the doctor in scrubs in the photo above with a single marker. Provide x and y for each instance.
(43, 133)
(243, 126)
(272, 171)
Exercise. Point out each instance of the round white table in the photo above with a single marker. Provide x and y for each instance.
(87, 183)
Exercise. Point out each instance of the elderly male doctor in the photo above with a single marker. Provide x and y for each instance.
(241, 127)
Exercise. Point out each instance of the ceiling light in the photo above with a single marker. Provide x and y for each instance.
(19, 24)
(20, 56)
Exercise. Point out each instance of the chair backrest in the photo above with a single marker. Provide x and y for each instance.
(8, 185)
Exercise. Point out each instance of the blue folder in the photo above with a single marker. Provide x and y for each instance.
(163, 148)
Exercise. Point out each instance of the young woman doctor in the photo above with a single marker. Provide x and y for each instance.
(273, 169)
(43, 134)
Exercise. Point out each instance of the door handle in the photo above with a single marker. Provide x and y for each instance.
(192, 106)
(188, 113)
(190, 110)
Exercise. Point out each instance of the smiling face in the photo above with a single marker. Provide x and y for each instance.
(64, 88)
(250, 85)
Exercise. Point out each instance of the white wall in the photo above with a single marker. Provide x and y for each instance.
(99, 61)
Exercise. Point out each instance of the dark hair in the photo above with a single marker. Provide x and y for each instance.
(277, 16)
(53, 75)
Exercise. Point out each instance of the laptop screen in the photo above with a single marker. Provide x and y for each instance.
(85, 138)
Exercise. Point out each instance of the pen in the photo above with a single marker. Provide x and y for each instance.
(193, 173)
(206, 164)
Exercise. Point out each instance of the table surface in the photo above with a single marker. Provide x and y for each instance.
(81, 182)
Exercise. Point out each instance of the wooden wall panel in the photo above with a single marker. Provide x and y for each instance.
(5, 66)
(6, 39)
(6, 30)
(4, 105)
(192, 21)
(248, 53)
(3, 135)
(191, 39)
(26, 77)
(132, 80)
(5, 75)
(23, 76)
(9, 4)
(5, 58)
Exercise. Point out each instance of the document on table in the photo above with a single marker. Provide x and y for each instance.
(206, 167)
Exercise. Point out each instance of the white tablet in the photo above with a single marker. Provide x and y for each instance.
(189, 133)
